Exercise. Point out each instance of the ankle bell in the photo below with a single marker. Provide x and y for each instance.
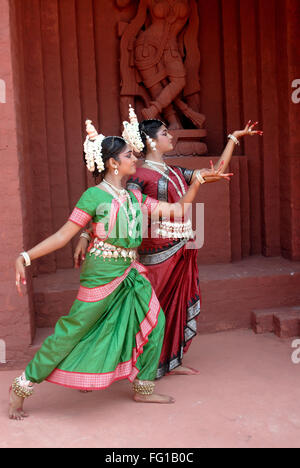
(22, 387)
(143, 387)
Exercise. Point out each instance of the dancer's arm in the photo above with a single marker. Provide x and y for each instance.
(213, 174)
(51, 244)
(55, 242)
(238, 134)
(229, 149)
(81, 247)
(180, 208)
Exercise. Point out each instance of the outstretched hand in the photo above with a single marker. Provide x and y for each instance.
(214, 175)
(248, 130)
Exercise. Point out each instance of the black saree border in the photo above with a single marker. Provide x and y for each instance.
(163, 255)
(190, 331)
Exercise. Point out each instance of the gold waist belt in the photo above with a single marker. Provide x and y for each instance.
(108, 251)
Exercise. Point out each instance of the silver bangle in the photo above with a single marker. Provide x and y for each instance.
(199, 177)
(233, 138)
(26, 258)
(86, 236)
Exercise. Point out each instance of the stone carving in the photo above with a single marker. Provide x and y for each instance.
(160, 65)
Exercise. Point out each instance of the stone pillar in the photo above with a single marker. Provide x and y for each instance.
(293, 26)
(16, 325)
(289, 141)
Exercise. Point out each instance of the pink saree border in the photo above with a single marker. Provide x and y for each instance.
(85, 381)
(80, 217)
(138, 195)
(150, 204)
(101, 292)
(98, 228)
(113, 216)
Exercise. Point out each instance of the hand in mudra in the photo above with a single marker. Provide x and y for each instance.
(214, 175)
(248, 130)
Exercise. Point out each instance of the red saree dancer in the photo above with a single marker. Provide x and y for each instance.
(172, 268)
(167, 253)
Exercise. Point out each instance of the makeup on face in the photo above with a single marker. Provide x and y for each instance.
(167, 144)
(128, 158)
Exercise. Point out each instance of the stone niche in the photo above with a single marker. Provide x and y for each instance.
(160, 68)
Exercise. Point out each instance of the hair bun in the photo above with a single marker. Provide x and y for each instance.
(131, 133)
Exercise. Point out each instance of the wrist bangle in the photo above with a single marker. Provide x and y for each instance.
(200, 178)
(86, 236)
(233, 138)
(26, 258)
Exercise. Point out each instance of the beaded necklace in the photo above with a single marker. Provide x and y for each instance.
(123, 193)
(153, 165)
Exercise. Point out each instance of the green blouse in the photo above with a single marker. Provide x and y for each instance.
(110, 222)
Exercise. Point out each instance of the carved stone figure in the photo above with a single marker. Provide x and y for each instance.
(160, 64)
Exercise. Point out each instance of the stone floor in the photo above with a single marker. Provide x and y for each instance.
(247, 396)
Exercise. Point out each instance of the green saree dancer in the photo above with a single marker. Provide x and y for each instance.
(115, 328)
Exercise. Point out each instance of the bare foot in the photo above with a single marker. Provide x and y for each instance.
(181, 370)
(16, 403)
(155, 398)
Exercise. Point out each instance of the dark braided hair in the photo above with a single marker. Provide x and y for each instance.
(112, 146)
(150, 128)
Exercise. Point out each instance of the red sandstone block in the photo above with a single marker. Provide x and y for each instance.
(52, 306)
(287, 323)
(262, 321)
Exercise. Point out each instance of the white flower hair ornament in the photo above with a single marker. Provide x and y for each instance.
(131, 133)
(93, 148)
